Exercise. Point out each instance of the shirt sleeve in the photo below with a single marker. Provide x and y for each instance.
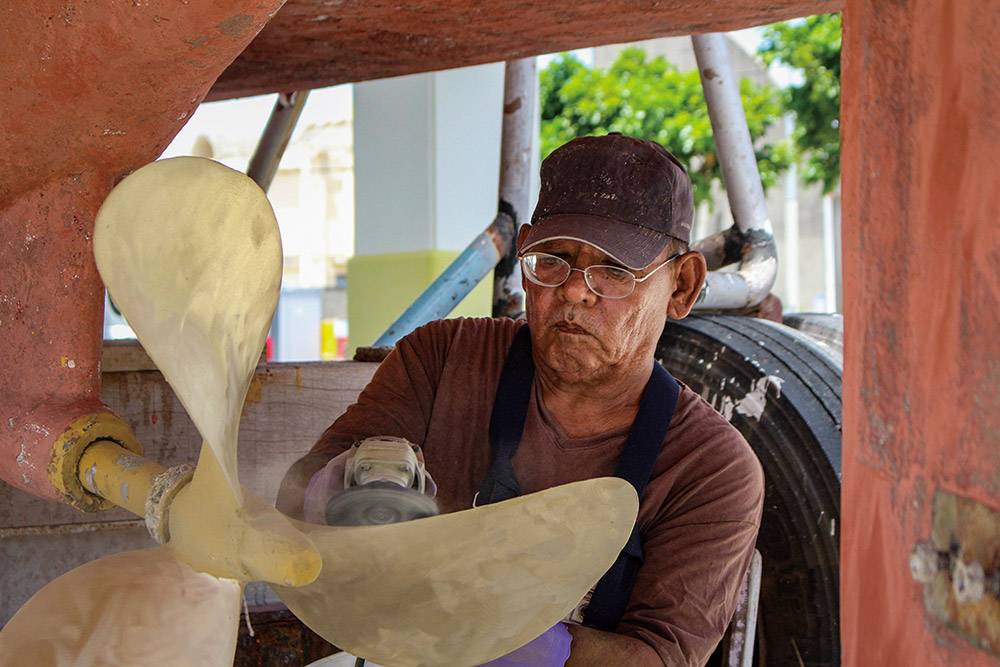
(696, 553)
(398, 399)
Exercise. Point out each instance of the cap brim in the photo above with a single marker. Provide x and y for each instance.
(635, 247)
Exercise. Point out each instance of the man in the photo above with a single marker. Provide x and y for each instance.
(606, 262)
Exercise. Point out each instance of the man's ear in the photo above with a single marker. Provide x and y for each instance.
(690, 276)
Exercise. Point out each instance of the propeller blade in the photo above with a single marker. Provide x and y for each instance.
(467, 587)
(191, 254)
(251, 541)
(133, 608)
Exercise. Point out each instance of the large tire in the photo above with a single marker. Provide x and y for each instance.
(827, 328)
(796, 435)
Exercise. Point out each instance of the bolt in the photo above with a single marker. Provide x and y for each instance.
(968, 581)
(926, 561)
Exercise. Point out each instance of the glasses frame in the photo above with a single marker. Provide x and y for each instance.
(586, 275)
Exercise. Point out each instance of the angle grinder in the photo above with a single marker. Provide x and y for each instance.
(384, 482)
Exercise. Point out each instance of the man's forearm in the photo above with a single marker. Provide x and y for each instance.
(594, 648)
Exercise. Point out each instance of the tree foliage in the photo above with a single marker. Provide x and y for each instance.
(811, 45)
(651, 99)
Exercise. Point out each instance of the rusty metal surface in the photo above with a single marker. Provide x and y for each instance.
(92, 90)
(921, 273)
(316, 43)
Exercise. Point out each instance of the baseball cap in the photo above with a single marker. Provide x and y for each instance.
(626, 196)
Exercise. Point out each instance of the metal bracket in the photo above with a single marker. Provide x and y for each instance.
(960, 569)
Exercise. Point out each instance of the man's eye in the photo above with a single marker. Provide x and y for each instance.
(548, 262)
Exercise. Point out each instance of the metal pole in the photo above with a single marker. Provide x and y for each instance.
(520, 82)
(751, 283)
(274, 139)
(456, 281)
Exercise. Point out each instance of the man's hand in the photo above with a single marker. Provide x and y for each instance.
(291, 494)
(550, 649)
(594, 648)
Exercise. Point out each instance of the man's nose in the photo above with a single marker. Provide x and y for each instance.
(576, 289)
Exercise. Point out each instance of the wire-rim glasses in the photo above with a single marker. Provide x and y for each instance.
(609, 282)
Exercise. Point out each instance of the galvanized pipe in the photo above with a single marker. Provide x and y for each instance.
(274, 139)
(758, 257)
(456, 281)
(520, 83)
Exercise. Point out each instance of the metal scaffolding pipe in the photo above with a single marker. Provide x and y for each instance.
(753, 239)
(520, 82)
(456, 281)
(274, 139)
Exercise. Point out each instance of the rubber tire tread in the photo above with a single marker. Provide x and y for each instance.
(798, 441)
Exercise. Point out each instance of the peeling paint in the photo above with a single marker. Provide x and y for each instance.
(36, 428)
(24, 463)
(754, 403)
(91, 476)
(129, 463)
(236, 25)
(124, 492)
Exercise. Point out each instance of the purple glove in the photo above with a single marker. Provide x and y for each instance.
(323, 485)
(551, 649)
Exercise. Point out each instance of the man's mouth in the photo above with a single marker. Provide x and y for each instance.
(570, 328)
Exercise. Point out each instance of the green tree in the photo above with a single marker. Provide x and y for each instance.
(811, 45)
(651, 99)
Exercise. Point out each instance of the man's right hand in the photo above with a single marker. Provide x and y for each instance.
(291, 493)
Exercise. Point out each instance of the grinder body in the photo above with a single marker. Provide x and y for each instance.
(384, 482)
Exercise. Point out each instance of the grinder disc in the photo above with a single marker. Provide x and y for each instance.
(378, 503)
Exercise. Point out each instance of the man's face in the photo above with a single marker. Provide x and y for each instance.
(583, 337)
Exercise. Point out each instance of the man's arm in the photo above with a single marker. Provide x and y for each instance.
(594, 648)
(396, 402)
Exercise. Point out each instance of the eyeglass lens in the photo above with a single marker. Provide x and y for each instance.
(606, 281)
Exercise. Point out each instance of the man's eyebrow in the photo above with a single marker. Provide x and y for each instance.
(557, 250)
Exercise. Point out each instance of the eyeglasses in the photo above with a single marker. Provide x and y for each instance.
(609, 282)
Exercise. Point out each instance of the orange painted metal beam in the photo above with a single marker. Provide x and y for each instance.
(91, 91)
(921, 89)
(316, 43)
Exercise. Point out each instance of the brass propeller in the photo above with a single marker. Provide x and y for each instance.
(191, 254)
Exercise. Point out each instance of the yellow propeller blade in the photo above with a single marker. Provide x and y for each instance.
(190, 252)
(133, 608)
(464, 588)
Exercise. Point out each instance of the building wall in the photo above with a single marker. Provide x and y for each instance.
(427, 176)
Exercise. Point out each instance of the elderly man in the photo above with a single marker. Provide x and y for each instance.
(502, 407)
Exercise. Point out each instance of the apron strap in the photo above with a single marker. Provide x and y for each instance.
(645, 440)
(510, 409)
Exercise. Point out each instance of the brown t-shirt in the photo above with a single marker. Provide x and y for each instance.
(698, 517)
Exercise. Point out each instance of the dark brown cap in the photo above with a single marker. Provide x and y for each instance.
(624, 195)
